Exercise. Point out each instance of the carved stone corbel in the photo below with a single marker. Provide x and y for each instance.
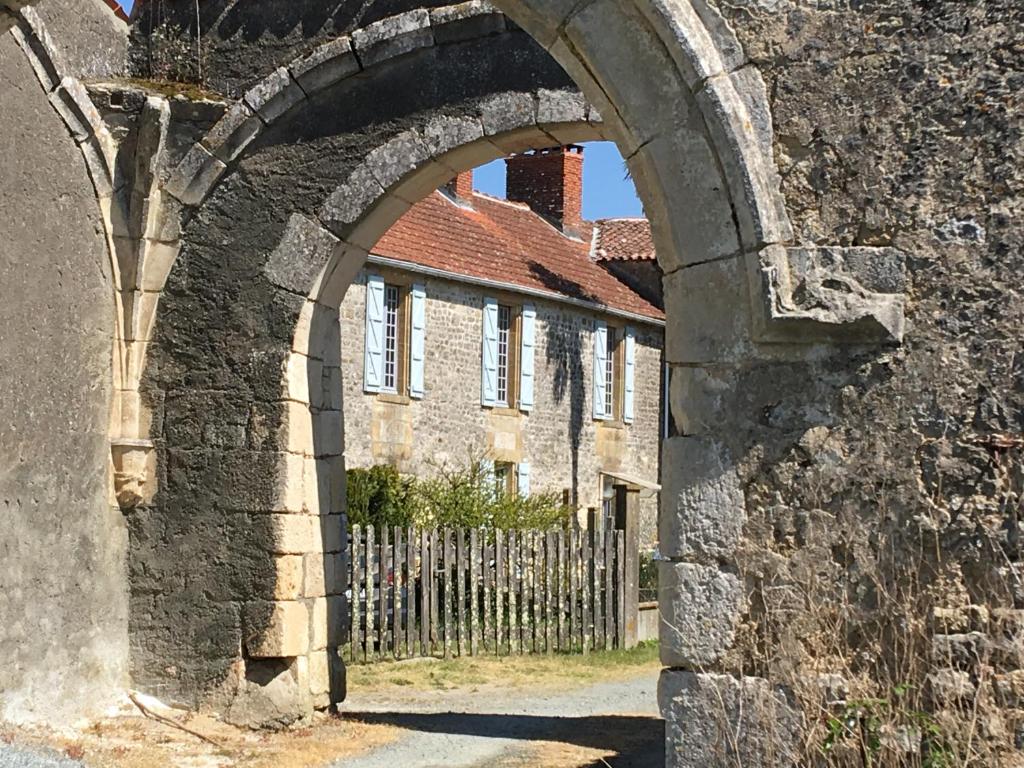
(852, 295)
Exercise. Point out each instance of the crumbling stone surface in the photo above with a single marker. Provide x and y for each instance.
(63, 602)
(713, 720)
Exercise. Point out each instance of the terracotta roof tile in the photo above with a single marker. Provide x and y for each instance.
(623, 240)
(507, 242)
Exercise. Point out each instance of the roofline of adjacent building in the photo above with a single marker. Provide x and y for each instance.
(483, 282)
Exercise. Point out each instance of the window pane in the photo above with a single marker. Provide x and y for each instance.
(391, 337)
(504, 329)
(609, 376)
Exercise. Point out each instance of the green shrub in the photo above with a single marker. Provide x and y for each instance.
(379, 496)
(459, 497)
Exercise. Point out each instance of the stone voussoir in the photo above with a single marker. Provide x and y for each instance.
(740, 126)
(233, 132)
(274, 95)
(195, 175)
(393, 36)
(466, 21)
(326, 65)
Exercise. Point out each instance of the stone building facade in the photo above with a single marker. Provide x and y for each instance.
(834, 192)
(557, 444)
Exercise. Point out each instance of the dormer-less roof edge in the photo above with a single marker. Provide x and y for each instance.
(500, 285)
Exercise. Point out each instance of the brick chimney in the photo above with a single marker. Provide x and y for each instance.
(461, 187)
(550, 181)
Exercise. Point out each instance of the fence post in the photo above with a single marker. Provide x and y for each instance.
(356, 624)
(627, 513)
(368, 651)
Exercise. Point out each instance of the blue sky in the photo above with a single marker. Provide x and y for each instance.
(607, 193)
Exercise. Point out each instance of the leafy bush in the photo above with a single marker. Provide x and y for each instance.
(463, 497)
(379, 496)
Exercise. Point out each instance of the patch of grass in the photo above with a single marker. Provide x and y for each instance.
(505, 671)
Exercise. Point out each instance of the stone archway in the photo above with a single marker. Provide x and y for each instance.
(246, 331)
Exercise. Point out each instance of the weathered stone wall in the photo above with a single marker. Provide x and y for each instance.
(63, 599)
(559, 437)
(243, 42)
(92, 41)
(219, 615)
(877, 488)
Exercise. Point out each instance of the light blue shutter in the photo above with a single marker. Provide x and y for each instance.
(526, 358)
(600, 364)
(523, 479)
(373, 367)
(417, 340)
(489, 360)
(629, 376)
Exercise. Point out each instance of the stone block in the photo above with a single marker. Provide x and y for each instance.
(465, 21)
(330, 616)
(274, 95)
(73, 104)
(300, 256)
(351, 200)
(333, 532)
(276, 629)
(161, 215)
(288, 577)
(447, 133)
(290, 497)
(703, 507)
(195, 175)
(393, 36)
(949, 687)
(735, 108)
(543, 18)
(295, 534)
(711, 321)
(233, 132)
(328, 64)
(700, 608)
(697, 394)
(966, 651)
(676, 172)
(297, 428)
(560, 106)
(272, 694)
(505, 112)
(157, 260)
(720, 720)
(330, 429)
(314, 580)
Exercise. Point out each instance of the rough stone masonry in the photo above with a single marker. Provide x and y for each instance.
(834, 190)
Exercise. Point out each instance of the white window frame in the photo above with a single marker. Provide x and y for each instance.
(392, 336)
(504, 348)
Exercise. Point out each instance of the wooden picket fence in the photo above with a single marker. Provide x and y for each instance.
(457, 592)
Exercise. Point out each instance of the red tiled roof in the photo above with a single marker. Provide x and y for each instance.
(117, 9)
(506, 242)
(623, 240)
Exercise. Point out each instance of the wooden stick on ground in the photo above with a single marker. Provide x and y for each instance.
(168, 721)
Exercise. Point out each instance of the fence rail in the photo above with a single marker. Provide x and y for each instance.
(456, 592)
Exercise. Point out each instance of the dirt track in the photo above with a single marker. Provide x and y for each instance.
(610, 723)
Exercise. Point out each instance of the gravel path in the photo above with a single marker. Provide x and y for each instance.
(490, 728)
